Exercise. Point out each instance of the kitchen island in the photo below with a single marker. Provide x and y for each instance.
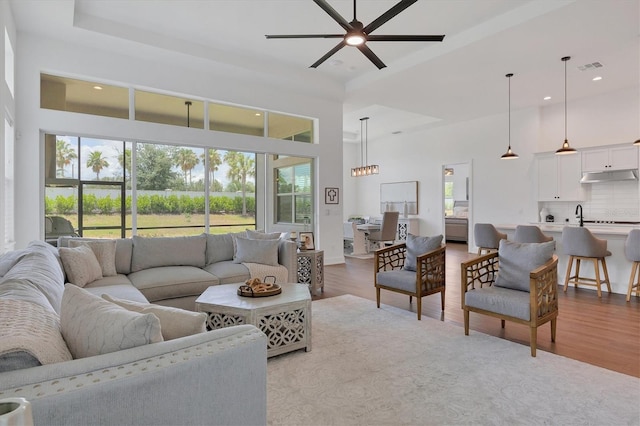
(617, 264)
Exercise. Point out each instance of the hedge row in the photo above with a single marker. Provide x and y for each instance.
(147, 204)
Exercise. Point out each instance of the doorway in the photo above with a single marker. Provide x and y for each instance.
(456, 202)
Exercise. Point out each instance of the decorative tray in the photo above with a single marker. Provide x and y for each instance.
(247, 291)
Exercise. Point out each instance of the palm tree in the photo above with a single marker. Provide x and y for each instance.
(187, 160)
(215, 160)
(124, 159)
(97, 163)
(240, 167)
(64, 155)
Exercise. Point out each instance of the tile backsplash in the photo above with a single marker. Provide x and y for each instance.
(617, 201)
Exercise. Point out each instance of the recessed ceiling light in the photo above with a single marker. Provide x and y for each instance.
(546, 98)
(97, 87)
(598, 78)
(258, 114)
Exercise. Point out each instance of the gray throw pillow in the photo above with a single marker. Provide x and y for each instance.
(152, 252)
(257, 235)
(417, 246)
(517, 260)
(256, 251)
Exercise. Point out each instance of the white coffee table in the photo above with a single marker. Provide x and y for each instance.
(285, 318)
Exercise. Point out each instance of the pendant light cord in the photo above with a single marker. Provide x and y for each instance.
(510, 110)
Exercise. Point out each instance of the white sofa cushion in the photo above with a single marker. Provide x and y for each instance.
(174, 322)
(92, 326)
(105, 252)
(168, 251)
(80, 265)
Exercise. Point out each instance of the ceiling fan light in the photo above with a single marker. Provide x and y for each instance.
(354, 39)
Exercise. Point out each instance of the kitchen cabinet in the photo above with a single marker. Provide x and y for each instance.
(559, 178)
(607, 159)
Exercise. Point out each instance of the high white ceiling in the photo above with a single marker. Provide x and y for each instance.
(424, 84)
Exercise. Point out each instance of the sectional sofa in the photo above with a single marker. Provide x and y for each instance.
(215, 377)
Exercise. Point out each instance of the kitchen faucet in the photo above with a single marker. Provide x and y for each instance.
(579, 208)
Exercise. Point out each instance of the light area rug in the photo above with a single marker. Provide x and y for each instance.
(372, 366)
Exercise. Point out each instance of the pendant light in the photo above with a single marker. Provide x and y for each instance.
(637, 142)
(364, 169)
(509, 155)
(565, 149)
(188, 104)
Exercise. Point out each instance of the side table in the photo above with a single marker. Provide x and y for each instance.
(311, 269)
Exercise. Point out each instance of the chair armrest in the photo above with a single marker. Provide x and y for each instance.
(431, 268)
(390, 258)
(478, 272)
(543, 289)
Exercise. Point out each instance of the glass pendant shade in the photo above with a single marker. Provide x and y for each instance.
(565, 149)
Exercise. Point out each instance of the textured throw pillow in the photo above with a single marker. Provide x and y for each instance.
(256, 251)
(517, 260)
(417, 246)
(257, 235)
(174, 322)
(80, 265)
(105, 252)
(92, 326)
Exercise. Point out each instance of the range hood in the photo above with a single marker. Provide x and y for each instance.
(614, 175)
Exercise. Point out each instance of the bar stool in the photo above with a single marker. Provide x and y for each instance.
(487, 237)
(580, 244)
(530, 234)
(632, 251)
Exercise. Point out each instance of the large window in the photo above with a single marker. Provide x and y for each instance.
(93, 190)
(293, 191)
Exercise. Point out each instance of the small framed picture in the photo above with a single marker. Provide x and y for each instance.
(306, 241)
(332, 196)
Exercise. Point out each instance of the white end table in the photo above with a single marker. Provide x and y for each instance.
(311, 269)
(285, 318)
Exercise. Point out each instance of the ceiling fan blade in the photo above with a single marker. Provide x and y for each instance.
(399, 7)
(405, 37)
(328, 54)
(372, 56)
(304, 36)
(335, 15)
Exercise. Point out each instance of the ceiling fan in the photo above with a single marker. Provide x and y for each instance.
(358, 35)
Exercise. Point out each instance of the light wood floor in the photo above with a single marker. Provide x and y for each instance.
(603, 332)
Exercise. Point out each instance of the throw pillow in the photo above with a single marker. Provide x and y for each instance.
(221, 246)
(92, 326)
(80, 265)
(105, 252)
(256, 251)
(417, 246)
(257, 235)
(517, 260)
(174, 322)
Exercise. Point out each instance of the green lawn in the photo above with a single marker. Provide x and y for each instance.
(219, 224)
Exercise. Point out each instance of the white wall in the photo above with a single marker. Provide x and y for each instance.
(7, 106)
(210, 81)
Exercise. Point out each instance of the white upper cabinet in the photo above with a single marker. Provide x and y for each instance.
(559, 178)
(607, 159)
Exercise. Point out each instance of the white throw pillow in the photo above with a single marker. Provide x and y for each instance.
(258, 235)
(105, 252)
(174, 322)
(92, 326)
(256, 251)
(80, 265)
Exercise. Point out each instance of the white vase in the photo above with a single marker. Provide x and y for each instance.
(15, 412)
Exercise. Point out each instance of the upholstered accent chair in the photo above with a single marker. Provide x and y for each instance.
(487, 237)
(415, 268)
(580, 244)
(519, 283)
(632, 251)
(530, 234)
(388, 230)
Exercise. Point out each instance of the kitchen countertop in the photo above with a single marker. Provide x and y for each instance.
(595, 228)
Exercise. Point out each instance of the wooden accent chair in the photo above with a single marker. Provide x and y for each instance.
(525, 291)
(487, 237)
(632, 251)
(393, 272)
(580, 244)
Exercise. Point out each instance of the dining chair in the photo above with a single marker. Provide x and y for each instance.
(388, 229)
